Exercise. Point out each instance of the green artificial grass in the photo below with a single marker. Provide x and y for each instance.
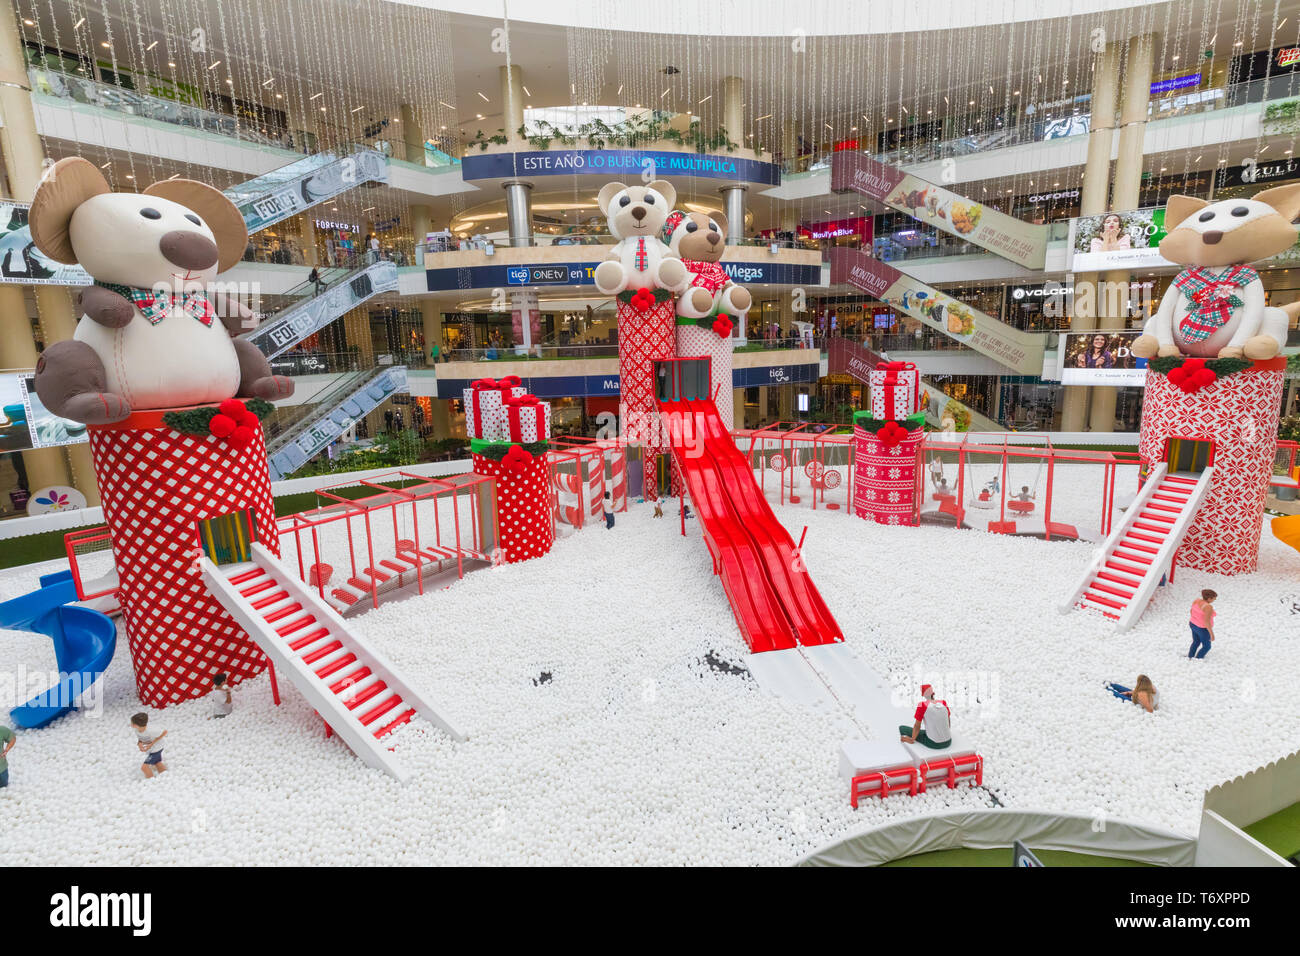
(1002, 857)
(1280, 832)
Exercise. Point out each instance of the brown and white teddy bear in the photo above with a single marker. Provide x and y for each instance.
(149, 335)
(639, 260)
(700, 242)
(1215, 307)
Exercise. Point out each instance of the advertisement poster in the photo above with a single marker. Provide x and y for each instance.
(21, 261)
(1117, 240)
(1012, 239)
(618, 162)
(25, 423)
(1021, 351)
(1101, 358)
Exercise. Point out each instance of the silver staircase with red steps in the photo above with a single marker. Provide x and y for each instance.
(402, 570)
(353, 687)
(1139, 553)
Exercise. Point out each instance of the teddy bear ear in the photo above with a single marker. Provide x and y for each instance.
(65, 186)
(1285, 199)
(212, 206)
(607, 194)
(1179, 208)
(665, 189)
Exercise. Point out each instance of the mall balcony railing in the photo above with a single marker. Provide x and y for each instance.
(1032, 129)
(541, 239)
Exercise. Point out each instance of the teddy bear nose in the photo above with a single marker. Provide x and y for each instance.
(638, 213)
(1211, 237)
(189, 250)
(714, 238)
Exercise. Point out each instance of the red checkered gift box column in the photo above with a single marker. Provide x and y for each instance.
(156, 485)
(642, 338)
(695, 341)
(525, 519)
(1239, 413)
(885, 477)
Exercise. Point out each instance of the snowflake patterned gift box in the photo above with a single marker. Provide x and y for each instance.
(524, 418)
(484, 401)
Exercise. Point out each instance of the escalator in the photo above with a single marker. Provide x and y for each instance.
(316, 305)
(298, 433)
(289, 190)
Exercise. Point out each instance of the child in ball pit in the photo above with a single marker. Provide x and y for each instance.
(150, 745)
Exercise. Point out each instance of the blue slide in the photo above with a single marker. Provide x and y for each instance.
(84, 641)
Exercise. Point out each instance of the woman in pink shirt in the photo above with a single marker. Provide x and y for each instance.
(1202, 624)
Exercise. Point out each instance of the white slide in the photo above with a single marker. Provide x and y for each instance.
(350, 684)
(1138, 554)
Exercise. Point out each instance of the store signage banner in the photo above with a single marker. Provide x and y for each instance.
(1021, 351)
(617, 163)
(25, 423)
(21, 262)
(1101, 358)
(1117, 240)
(860, 226)
(312, 314)
(290, 190)
(1252, 173)
(1012, 239)
(582, 274)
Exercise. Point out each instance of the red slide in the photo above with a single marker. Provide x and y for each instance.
(772, 595)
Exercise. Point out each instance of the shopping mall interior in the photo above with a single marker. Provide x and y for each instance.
(465, 249)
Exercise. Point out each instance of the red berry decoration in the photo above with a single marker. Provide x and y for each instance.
(245, 417)
(722, 327)
(231, 407)
(891, 434)
(221, 425)
(516, 460)
(1192, 375)
(643, 300)
(241, 437)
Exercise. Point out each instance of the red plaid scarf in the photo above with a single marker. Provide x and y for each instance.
(708, 275)
(155, 307)
(641, 260)
(1210, 299)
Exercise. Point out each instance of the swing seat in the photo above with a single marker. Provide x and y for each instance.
(1002, 527)
(1059, 530)
(1021, 507)
(944, 496)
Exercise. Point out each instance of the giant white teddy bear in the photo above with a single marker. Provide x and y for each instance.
(149, 336)
(1215, 307)
(639, 260)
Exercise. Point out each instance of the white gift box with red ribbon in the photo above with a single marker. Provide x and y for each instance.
(523, 418)
(895, 390)
(484, 401)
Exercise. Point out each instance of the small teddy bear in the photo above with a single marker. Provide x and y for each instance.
(149, 335)
(1215, 307)
(639, 260)
(699, 241)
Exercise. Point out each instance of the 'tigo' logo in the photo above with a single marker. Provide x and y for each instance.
(76, 909)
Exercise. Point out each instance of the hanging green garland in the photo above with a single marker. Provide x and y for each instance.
(1221, 367)
(197, 421)
(496, 450)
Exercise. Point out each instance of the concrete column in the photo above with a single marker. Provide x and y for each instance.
(1093, 199)
(431, 322)
(310, 254)
(512, 101)
(1113, 292)
(421, 221)
(733, 207)
(738, 407)
(519, 212)
(733, 117)
(412, 136)
(45, 466)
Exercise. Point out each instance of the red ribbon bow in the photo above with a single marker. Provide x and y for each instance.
(1192, 375)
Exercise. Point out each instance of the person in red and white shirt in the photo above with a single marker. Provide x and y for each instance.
(937, 721)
